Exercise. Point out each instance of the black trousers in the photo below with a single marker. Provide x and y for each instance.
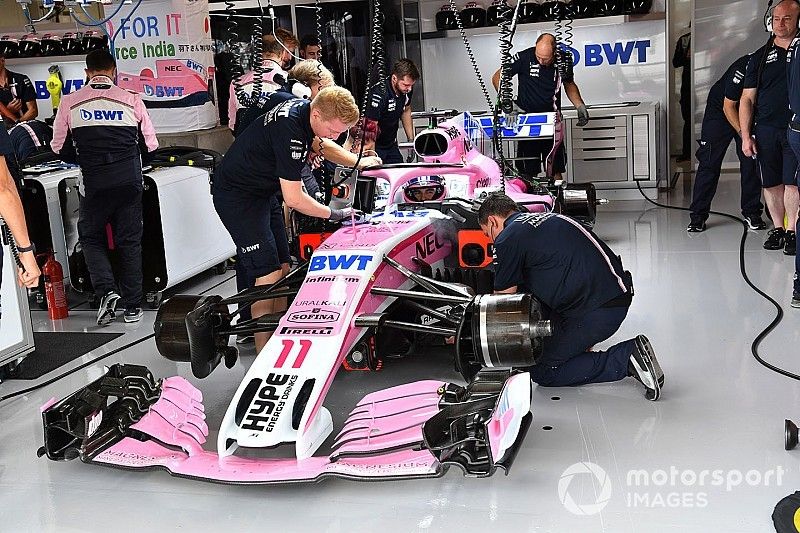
(686, 114)
(567, 358)
(716, 136)
(390, 155)
(122, 208)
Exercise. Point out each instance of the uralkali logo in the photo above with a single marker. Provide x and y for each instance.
(316, 315)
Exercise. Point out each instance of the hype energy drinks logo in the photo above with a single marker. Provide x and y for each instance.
(619, 53)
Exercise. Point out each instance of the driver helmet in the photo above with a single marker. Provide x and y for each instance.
(424, 189)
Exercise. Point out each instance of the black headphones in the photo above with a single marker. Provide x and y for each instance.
(768, 13)
(299, 89)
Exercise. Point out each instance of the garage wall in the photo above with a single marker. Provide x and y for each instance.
(725, 30)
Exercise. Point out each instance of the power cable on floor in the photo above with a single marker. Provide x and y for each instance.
(96, 359)
(778, 317)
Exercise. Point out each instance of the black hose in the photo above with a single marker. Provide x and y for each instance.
(377, 64)
(471, 55)
(742, 266)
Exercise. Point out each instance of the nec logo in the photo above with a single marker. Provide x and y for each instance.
(101, 114)
(339, 262)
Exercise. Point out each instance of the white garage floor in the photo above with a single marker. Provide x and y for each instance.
(707, 457)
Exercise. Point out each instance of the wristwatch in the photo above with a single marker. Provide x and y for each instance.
(23, 249)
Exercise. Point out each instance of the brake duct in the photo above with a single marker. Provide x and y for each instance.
(489, 330)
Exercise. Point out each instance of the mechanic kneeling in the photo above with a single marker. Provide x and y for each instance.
(583, 289)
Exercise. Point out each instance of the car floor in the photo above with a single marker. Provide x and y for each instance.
(707, 457)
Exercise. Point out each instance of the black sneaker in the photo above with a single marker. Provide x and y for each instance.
(775, 239)
(796, 300)
(696, 226)
(755, 222)
(133, 314)
(245, 339)
(790, 244)
(108, 307)
(644, 367)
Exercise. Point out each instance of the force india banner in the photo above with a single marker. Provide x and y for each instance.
(164, 53)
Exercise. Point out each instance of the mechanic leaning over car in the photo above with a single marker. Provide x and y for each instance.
(305, 78)
(764, 117)
(720, 126)
(584, 291)
(540, 80)
(391, 108)
(107, 131)
(267, 159)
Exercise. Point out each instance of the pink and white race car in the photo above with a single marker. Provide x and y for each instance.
(362, 288)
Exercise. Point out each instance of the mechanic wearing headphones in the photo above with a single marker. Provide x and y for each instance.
(391, 108)
(765, 96)
(540, 83)
(584, 291)
(276, 58)
(720, 126)
(108, 132)
(306, 79)
(793, 134)
(267, 159)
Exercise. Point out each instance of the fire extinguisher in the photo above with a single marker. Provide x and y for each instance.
(54, 291)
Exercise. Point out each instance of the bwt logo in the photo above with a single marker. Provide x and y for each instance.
(101, 114)
(42, 93)
(339, 262)
(621, 53)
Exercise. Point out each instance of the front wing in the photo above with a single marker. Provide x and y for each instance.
(126, 419)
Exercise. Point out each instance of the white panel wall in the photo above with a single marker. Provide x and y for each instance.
(724, 31)
(450, 81)
(680, 16)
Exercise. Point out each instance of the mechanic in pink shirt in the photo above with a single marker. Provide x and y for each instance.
(107, 131)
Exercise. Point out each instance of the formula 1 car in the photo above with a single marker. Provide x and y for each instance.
(361, 288)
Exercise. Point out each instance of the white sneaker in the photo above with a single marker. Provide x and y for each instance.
(644, 367)
(107, 311)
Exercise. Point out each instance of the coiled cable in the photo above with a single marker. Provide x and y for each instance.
(507, 23)
(471, 55)
(12, 244)
(246, 100)
(376, 66)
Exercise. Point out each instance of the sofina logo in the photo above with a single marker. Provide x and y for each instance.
(602, 492)
(86, 115)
